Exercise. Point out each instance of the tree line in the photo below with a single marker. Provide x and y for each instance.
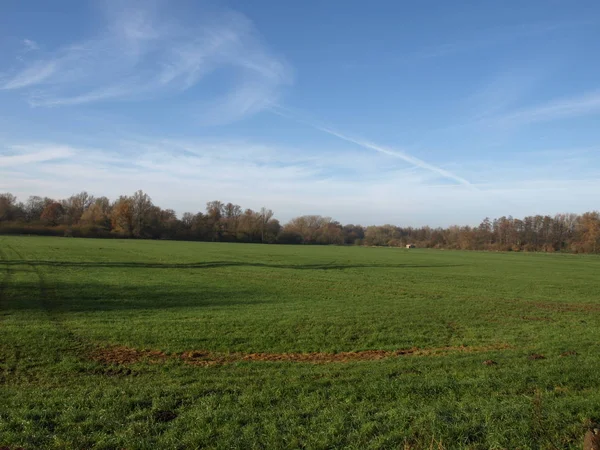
(136, 216)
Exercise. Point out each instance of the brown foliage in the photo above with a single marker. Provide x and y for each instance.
(52, 214)
(136, 216)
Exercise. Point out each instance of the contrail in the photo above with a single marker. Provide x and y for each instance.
(277, 109)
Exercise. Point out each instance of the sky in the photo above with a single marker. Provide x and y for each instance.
(409, 113)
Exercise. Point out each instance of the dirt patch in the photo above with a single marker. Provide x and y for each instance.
(535, 356)
(490, 362)
(126, 355)
(569, 353)
(207, 358)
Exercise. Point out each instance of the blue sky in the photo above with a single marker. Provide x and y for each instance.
(409, 113)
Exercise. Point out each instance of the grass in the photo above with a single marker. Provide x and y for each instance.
(63, 300)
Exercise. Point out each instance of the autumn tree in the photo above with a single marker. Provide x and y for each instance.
(589, 230)
(313, 229)
(122, 219)
(52, 214)
(75, 206)
(137, 216)
(97, 214)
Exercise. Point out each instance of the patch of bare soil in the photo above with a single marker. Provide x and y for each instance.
(125, 355)
(569, 353)
(535, 356)
(591, 440)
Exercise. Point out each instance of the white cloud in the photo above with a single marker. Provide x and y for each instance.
(32, 155)
(145, 54)
(34, 74)
(588, 103)
(30, 45)
(352, 187)
(413, 160)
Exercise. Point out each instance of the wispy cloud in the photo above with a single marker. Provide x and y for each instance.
(586, 104)
(144, 54)
(492, 115)
(30, 45)
(413, 160)
(184, 174)
(34, 74)
(501, 91)
(401, 155)
(22, 155)
(493, 97)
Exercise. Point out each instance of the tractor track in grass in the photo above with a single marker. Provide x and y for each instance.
(48, 301)
(121, 355)
(6, 277)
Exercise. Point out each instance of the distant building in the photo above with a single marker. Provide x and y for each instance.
(410, 245)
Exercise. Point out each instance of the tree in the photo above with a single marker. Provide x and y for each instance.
(381, 235)
(249, 227)
(75, 206)
(589, 230)
(214, 213)
(187, 220)
(353, 234)
(164, 223)
(141, 208)
(306, 226)
(52, 214)
(137, 216)
(265, 216)
(97, 214)
(35, 206)
(7, 207)
(231, 219)
(202, 227)
(289, 236)
(271, 231)
(122, 219)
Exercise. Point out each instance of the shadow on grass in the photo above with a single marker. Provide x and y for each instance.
(84, 297)
(214, 264)
(80, 295)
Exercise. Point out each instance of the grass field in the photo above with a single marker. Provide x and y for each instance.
(146, 344)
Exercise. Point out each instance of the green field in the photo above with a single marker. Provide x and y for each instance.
(149, 344)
